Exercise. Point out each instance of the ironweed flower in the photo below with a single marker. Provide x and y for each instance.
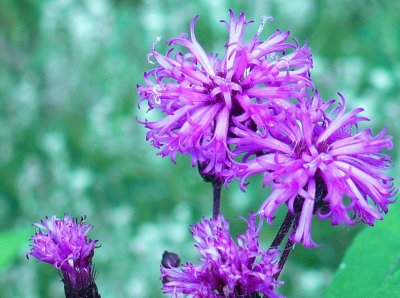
(320, 163)
(201, 96)
(227, 269)
(63, 243)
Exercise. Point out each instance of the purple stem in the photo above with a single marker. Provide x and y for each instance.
(286, 252)
(289, 244)
(216, 184)
(283, 230)
(216, 197)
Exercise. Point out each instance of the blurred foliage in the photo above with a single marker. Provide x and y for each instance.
(69, 141)
(11, 242)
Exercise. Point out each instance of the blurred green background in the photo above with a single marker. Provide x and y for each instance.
(69, 141)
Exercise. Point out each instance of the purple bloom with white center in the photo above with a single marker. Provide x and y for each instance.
(203, 96)
(320, 163)
(227, 269)
(63, 243)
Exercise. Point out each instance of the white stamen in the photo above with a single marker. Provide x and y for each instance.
(264, 19)
(270, 19)
(156, 94)
(153, 48)
(71, 262)
(273, 57)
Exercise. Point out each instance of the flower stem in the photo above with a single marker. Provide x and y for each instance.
(216, 184)
(216, 197)
(290, 223)
(85, 289)
(283, 230)
(286, 252)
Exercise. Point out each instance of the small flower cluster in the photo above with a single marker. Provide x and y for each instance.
(63, 243)
(226, 269)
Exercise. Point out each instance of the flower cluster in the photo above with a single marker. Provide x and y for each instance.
(317, 161)
(256, 111)
(227, 269)
(202, 96)
(253, 111)
(63, 243)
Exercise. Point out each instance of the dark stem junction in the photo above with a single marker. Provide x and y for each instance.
(217, 186)
(85, 288)
(292, 219)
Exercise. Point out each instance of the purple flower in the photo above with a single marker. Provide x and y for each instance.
(63, 243)
(320, 163)
(202, 96)
(227, 269)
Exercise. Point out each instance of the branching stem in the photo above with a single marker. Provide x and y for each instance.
(283, 230)
(285, 254)
(289, 224)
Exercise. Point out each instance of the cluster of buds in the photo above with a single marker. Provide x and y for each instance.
(226, 269)
(63, 243)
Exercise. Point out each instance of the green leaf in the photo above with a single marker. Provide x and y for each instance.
(390, 288)
(371, 260)
(11, 243)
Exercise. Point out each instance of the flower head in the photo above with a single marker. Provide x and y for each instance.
(203, 96)
(63, 243)
(227, 269)
(320, 163)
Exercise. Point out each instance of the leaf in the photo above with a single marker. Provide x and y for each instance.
(390, 288)
(11, 243)
(371, 260)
